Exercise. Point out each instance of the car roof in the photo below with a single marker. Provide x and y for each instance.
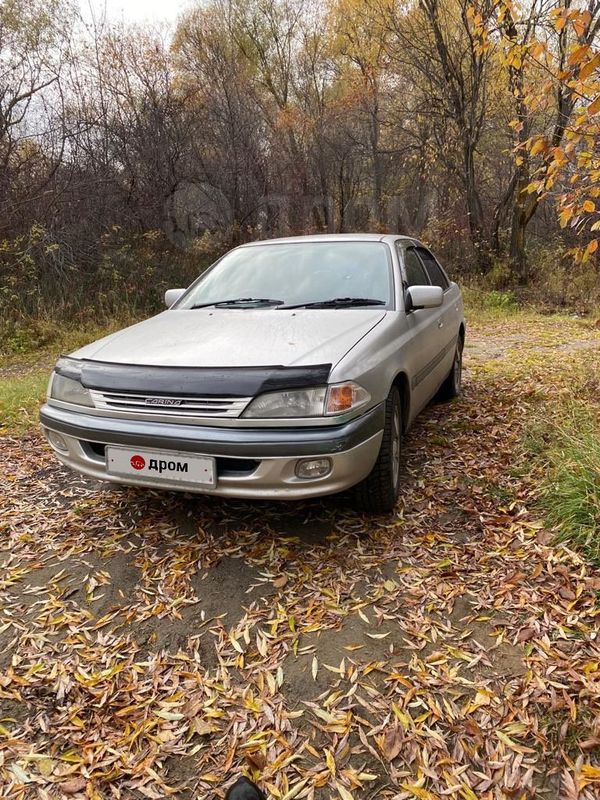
(334, 237)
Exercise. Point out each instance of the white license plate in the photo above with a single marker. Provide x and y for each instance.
(166, 465)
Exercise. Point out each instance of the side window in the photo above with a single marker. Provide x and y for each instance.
(415, 273)
(436, 275)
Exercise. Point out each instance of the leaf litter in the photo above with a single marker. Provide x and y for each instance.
(447, 650)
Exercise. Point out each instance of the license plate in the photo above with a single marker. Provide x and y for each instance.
(166, 465)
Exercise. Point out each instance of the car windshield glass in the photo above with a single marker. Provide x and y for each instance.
(297, 273)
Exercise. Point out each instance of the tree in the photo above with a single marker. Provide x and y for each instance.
(548, 54)
(34, 39)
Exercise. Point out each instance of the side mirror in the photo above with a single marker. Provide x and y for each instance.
(424, 297)
(172, 296)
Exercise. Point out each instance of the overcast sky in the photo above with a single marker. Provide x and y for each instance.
(136, 10)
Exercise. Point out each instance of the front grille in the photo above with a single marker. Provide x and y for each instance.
(218, 407)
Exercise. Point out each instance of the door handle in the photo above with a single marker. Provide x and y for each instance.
(440, 324)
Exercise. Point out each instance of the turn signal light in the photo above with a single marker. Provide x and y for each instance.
(345, 396)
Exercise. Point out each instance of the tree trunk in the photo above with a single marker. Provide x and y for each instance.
(474, 209)
(516, 253)
(378, 211)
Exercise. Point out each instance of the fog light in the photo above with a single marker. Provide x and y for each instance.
(57, 442)
(313, 468)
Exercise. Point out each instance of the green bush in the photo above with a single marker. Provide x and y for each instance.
(489, 302)
(502, 301)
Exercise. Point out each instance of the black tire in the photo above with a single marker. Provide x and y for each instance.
(452, 386)
(378, 492)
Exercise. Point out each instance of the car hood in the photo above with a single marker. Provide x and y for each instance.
(237, 338)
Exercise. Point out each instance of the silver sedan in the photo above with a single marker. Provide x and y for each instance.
(289, 369)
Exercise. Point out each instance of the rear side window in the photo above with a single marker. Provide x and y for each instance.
(436, 276)
(415, 273)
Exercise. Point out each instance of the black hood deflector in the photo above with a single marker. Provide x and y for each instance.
(193, 381)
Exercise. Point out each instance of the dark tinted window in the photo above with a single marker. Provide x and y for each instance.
(415, 274)
(436, 275)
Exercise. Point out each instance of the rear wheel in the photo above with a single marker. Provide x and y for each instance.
(452, 386)
(378, 492)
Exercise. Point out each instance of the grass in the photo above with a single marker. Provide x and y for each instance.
(26, 360)
(567, 447)
(20, 398)
(42, 341)
(492, 305)
(490, 300)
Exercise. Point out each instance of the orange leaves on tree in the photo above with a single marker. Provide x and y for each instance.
(578, 54)
(581, 21)
(587, 69)
(565, 215)
(539, 145)
(594, 106)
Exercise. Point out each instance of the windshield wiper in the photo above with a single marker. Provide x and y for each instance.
(240, 301)
(339, 302)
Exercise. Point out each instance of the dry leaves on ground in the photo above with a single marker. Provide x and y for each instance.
(153, 645)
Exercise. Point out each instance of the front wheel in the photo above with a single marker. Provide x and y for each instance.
(378, 492)
(452, 386)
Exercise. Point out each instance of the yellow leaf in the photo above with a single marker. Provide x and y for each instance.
(538, 146)
(578, 54)
(467, 793)
(417, 791)
(594, 107)
(344, 793)
(581, 21)
(506, 739)
(590, 773)
(589, 206)
(401, 716)
(565, 215)
(588, 68)
(295, 790)
(46, 766)
(592, 246)
(537, 49)
(482, 698)
(330, 761)
(560, 23)
(169, 715)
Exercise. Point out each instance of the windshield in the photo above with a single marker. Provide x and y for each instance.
(295, 274)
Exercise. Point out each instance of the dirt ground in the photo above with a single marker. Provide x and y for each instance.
(155, 644)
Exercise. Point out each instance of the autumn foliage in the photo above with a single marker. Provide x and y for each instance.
(472, 124)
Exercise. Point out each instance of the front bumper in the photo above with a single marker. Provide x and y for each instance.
(251, 462)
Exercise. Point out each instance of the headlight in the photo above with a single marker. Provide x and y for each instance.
(296, 403)
(69, 390)
(318, 402)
